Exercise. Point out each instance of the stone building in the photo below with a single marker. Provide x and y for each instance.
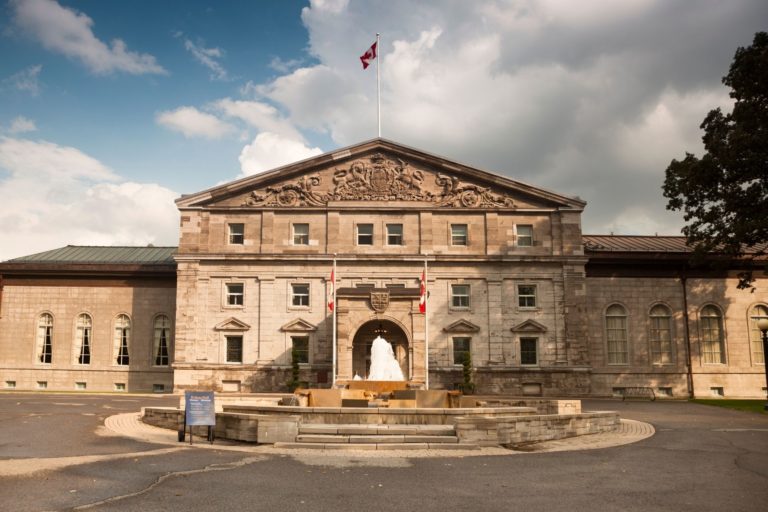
(511, 280)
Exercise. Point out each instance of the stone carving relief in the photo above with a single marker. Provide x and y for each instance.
(379, 178)
(379, 301)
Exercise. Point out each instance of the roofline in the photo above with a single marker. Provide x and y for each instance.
(233, 187)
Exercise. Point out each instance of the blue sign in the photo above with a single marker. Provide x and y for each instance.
(199, 407)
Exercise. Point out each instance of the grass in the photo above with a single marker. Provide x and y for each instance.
(738, 405)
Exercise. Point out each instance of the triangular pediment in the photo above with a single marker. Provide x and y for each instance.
(529, 326)
(298, 325)
(462, 326)
(232, 324)
(377, 170)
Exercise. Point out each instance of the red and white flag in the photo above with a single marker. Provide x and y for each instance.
(368, 56)
(423, 293)
(332, 291)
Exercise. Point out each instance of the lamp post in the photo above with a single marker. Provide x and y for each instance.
(762, 324)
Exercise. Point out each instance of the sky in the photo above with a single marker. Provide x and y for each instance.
(111, 110)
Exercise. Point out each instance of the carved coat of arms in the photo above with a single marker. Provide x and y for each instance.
(379, 301)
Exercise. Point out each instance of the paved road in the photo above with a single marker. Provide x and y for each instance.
(701, 458)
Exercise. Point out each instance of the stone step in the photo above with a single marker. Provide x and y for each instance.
(356, 429)
(375, 439)
(376, 447)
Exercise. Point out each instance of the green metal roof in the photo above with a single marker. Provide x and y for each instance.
(93, 254)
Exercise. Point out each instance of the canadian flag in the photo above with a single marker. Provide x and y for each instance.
(423, 293)
(368, 56)
(331, 291)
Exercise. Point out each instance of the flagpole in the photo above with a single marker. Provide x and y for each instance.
(426, 326)
(378, 82)
(335, 348)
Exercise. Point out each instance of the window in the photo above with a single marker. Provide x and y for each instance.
(529, 351)
(300, 346)
(616, 334)
(755, 336)
(81, 385)
(42, 384)
(461, 349)
(301, 234)
(394, 234)
(300, 295)
(526, 295)
(235, 294)
(45, 338)
(712, 340)
(661, 335)
(122, 334)
(524, 235)
(162, 336)
(459, 234)
(83, 339)
(234, 349)
(365, 234)
(236, 234)
(395, 285)
(119, 386)
(460, 296)
(365, 285)
(10, 384)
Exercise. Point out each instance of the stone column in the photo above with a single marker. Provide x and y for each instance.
(495, 323)
(344, 343)
(268, 324)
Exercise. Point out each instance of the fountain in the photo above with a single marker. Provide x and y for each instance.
(384, 366)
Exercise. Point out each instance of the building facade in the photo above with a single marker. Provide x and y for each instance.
(511, 281)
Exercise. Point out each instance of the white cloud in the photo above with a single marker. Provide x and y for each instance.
(21, 124)
(259, 115)
(27, 80)
(208, 57)
(69, 32)
(270, 150)
(56, 195)
(193, 123)
(284, 66)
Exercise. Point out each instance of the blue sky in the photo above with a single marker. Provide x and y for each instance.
(111, 109)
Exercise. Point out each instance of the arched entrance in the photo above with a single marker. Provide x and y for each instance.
(361, 345)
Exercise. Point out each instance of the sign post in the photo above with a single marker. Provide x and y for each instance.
(199, 409)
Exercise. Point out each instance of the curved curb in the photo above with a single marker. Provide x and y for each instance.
(629, 431)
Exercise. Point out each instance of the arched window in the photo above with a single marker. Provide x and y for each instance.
(83, 339)
(162, 342)
(122, 336)
(45, 338)
(712, 338)
(616, 334)
(755, 336)
(661, 334)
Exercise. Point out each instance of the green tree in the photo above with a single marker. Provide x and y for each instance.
(724, 194)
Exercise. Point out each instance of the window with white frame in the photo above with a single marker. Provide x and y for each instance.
(524, 235)
(236, 234)
(755, 336)
(234, 349)
(526, 296)
(45, 338)
(235, 292)
(461, 348)
(300, 347)
(460, 296)
(301, 234)
(162, 341)
(394, 234)
(459, 234)
(83, 331)
(661, 334)
(712, 337)
(365, 234)
(529, 351)
(616, 334)
(300, 295)
(122, 336)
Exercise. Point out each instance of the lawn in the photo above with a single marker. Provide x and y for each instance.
(739, 405)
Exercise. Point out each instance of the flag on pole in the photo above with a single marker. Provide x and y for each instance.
(332, 291)
(423, 293)
(368, 56)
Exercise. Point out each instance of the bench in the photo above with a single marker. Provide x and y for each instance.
(638, 392)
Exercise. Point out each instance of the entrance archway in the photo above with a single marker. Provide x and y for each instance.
(361, 346)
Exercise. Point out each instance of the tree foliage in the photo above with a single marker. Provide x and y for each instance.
(724, 194)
